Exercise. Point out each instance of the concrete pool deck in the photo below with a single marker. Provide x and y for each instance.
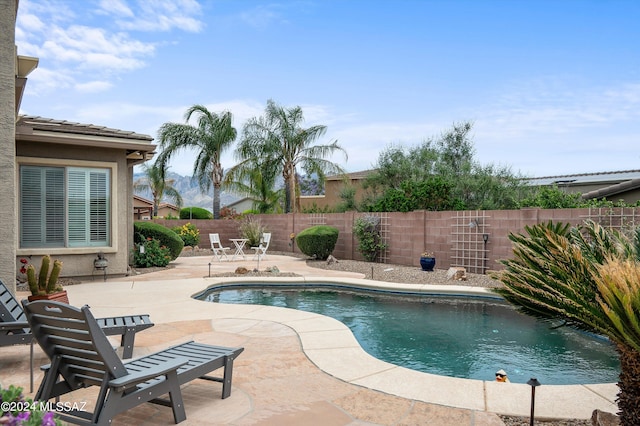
(299, 367)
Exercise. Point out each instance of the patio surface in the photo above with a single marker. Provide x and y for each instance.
(298, 368)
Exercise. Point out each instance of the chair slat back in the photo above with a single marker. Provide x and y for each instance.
(266, 239)
(73, 338)
(10, 309)
(215, 241)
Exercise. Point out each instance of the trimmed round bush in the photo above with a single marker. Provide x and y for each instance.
(318, 241)
(166, 237)
(195, 213)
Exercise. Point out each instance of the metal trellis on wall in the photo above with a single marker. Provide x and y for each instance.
(469, 239)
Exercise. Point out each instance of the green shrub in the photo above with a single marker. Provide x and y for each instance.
(189, 233)
(318, 241)
(166, 237)
(195, 213)
(251, 229)
(27, 412)
(370, 243)
(153, 254)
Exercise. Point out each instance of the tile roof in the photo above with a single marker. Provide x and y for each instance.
(63, 126)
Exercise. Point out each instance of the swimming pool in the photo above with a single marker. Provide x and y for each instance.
(451, 336)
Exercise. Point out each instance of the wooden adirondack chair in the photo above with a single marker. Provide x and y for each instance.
(81, 356)
(14, 328)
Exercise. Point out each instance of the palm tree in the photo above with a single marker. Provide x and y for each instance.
(278, 139)
(212, 135)
(259, 187)
(160, 187)
(590, 278)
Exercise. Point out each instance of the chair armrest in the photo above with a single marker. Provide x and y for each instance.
(14, 325)
(145, 374)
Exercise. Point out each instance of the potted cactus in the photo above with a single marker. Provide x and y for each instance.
(44, 285)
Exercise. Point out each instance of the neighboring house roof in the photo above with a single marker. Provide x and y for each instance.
(142, 200)
(39, 129)
(609, 191)
(584, 178)
(168, 206)
(353, 176)
(610, 183)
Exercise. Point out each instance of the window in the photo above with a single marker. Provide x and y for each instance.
(64, 206)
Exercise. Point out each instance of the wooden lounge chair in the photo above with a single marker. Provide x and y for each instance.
(14, 328)
(81, 356)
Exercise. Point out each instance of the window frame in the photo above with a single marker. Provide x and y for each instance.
(112, 205)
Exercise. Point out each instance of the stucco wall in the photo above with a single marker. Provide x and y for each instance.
(7, 143)
(79, 261)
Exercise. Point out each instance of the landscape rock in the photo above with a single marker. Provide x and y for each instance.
(457, 274)
(241, 270)
(602, 418)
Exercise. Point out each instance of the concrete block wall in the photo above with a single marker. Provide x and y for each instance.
(409, 234)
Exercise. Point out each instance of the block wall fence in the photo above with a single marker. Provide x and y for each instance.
(476, 240)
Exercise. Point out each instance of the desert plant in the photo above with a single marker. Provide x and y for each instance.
(195, 213)
(588, 277)
(144, 230)
(189, 233)
(251, 229)
(318, 241)
(370, 242)
(45, 283)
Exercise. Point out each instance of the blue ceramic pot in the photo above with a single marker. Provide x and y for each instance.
(427, 263)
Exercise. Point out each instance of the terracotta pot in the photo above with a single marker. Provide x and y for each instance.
(60, 296)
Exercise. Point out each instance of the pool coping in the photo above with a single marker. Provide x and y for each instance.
(331, 346)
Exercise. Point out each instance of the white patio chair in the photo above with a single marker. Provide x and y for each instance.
(219, 251)
(261, 250)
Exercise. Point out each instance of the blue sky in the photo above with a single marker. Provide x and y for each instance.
(552, 87)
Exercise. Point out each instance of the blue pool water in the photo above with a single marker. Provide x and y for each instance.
(459, 337)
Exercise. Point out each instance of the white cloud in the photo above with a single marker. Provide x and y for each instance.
(69, 48)
(93, 86)
(44, 80)
(116, 7)
(156, 15)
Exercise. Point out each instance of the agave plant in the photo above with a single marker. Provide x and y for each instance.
(589, 277)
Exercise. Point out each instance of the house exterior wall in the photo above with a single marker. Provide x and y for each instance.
(142, 209)
(448, 234)
(79, 261)
(8, 224)
(164, 211)
(331, 197)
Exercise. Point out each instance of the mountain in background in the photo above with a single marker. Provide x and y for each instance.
(190, 192)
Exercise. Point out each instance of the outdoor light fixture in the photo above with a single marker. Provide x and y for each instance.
(485, 238)
(533, 382)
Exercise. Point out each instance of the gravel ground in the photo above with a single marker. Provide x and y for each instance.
(403, 274)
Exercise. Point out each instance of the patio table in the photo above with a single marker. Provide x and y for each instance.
(239, 244)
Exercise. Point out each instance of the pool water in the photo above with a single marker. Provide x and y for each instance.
(459, 337)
